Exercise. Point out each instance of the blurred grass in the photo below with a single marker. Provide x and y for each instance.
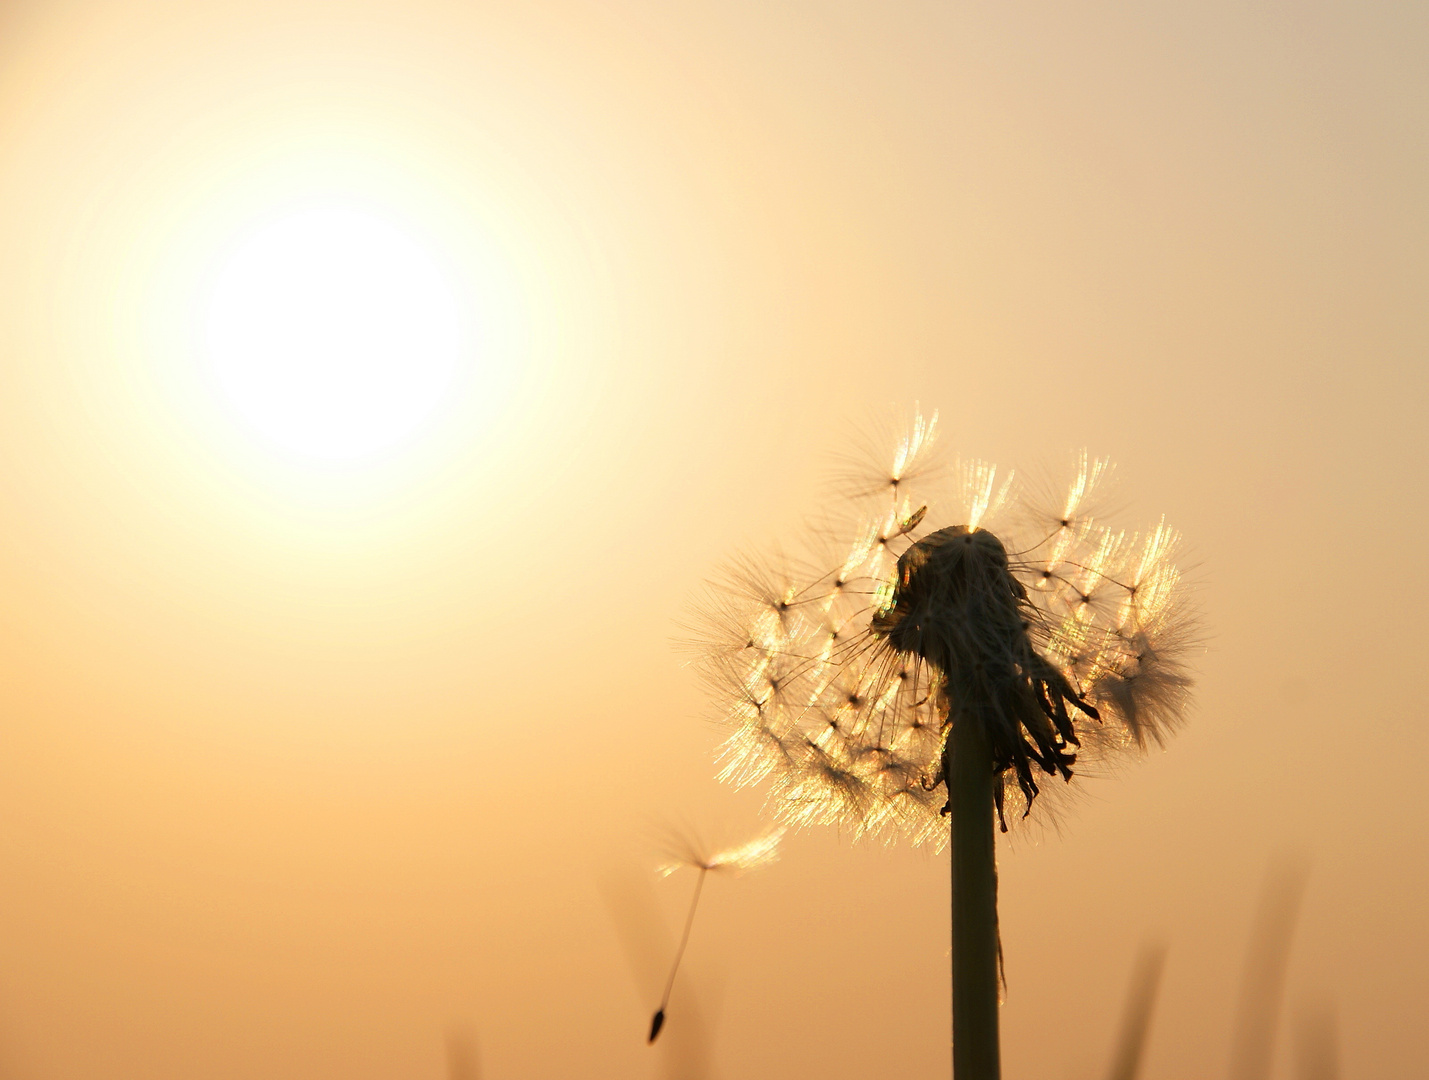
(1315, 1044)
(1136, 1020)
(1263, 980)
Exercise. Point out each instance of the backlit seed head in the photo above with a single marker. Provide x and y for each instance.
(1065, 638)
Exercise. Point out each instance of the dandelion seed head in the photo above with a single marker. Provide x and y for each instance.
(1066, 638)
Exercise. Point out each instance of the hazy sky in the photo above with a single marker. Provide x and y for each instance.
(307, 769)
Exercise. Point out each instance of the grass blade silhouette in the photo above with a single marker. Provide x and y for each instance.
(1317, 1051)
(1263, 982)
(463, 1061)
(1136, 1020)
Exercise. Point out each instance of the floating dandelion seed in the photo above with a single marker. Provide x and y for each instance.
(758, 852)
(1011, 641)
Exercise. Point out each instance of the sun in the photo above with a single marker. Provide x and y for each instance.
(333, 333)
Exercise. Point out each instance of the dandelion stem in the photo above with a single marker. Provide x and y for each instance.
(970, 779)
(659, 1020)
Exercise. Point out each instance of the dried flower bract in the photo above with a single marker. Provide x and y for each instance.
(1063, 637)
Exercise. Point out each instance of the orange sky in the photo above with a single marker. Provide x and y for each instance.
(306, 771)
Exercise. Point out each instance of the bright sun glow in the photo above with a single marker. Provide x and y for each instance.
(334, 333)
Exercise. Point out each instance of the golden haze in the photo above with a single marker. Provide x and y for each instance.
(305, 769)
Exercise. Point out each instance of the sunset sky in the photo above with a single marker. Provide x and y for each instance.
(348, 748)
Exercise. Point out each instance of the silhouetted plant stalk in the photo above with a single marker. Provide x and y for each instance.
(879, 669)
(1136, 1022)
(976, 1049)
(1266, 962)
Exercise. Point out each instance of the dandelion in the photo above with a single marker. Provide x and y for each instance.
(948, 649)
(686, 852)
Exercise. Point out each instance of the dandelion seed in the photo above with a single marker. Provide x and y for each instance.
(869, 470)
(982, 657)
(760, 851)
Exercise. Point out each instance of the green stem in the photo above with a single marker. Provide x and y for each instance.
(970, 780)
